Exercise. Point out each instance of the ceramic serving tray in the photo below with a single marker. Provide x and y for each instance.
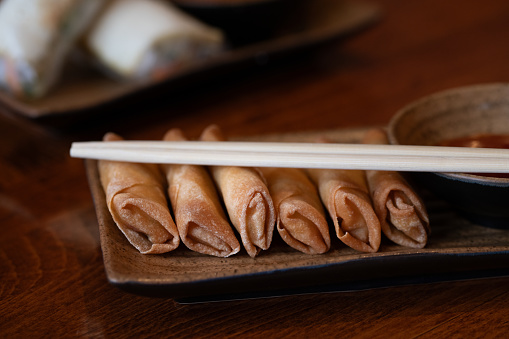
(457, 249)
(83, 88)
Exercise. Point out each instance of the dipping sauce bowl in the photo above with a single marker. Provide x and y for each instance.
(452, 114)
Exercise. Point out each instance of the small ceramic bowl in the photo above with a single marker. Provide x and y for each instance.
(460, 112)
(243, 21)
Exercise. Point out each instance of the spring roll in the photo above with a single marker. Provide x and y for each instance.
(246, 198)
(138, 205)
(149, 39)
(199, 216)
(301, 220)
(403, 216)
(345, 195)
(36, 37)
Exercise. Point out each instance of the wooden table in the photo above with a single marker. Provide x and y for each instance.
(52, 280)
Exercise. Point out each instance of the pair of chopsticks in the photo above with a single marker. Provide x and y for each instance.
(300, 155)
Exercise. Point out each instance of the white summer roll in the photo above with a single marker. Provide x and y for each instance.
(136, 39)
(35, 38)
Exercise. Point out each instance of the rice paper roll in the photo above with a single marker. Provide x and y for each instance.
(36, 37)
(149, 39)
(301, 220)
(247, 200)
(346, 197)
(402, 213)
(137, 203)
(199, 215)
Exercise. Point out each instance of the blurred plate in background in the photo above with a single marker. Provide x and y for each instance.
(82, 89)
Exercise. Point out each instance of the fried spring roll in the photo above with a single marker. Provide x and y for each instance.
(246, 198)
(301, 220)
(137, 203)
(346, 197)
(402, 213)
(199, 216)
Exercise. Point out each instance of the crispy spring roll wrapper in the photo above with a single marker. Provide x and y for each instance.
(346, 197)
(246, 198)
(301, 220)
(402, 213)
(199, 215)
(137, 202)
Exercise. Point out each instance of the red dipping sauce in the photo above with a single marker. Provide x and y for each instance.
(481, 141)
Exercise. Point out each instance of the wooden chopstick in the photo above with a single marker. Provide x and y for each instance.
(300, 155)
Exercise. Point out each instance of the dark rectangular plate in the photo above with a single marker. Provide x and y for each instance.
(457, 249)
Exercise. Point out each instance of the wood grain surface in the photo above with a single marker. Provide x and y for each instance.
(52, 277)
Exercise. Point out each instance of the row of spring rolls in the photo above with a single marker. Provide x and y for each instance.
(214, 207)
